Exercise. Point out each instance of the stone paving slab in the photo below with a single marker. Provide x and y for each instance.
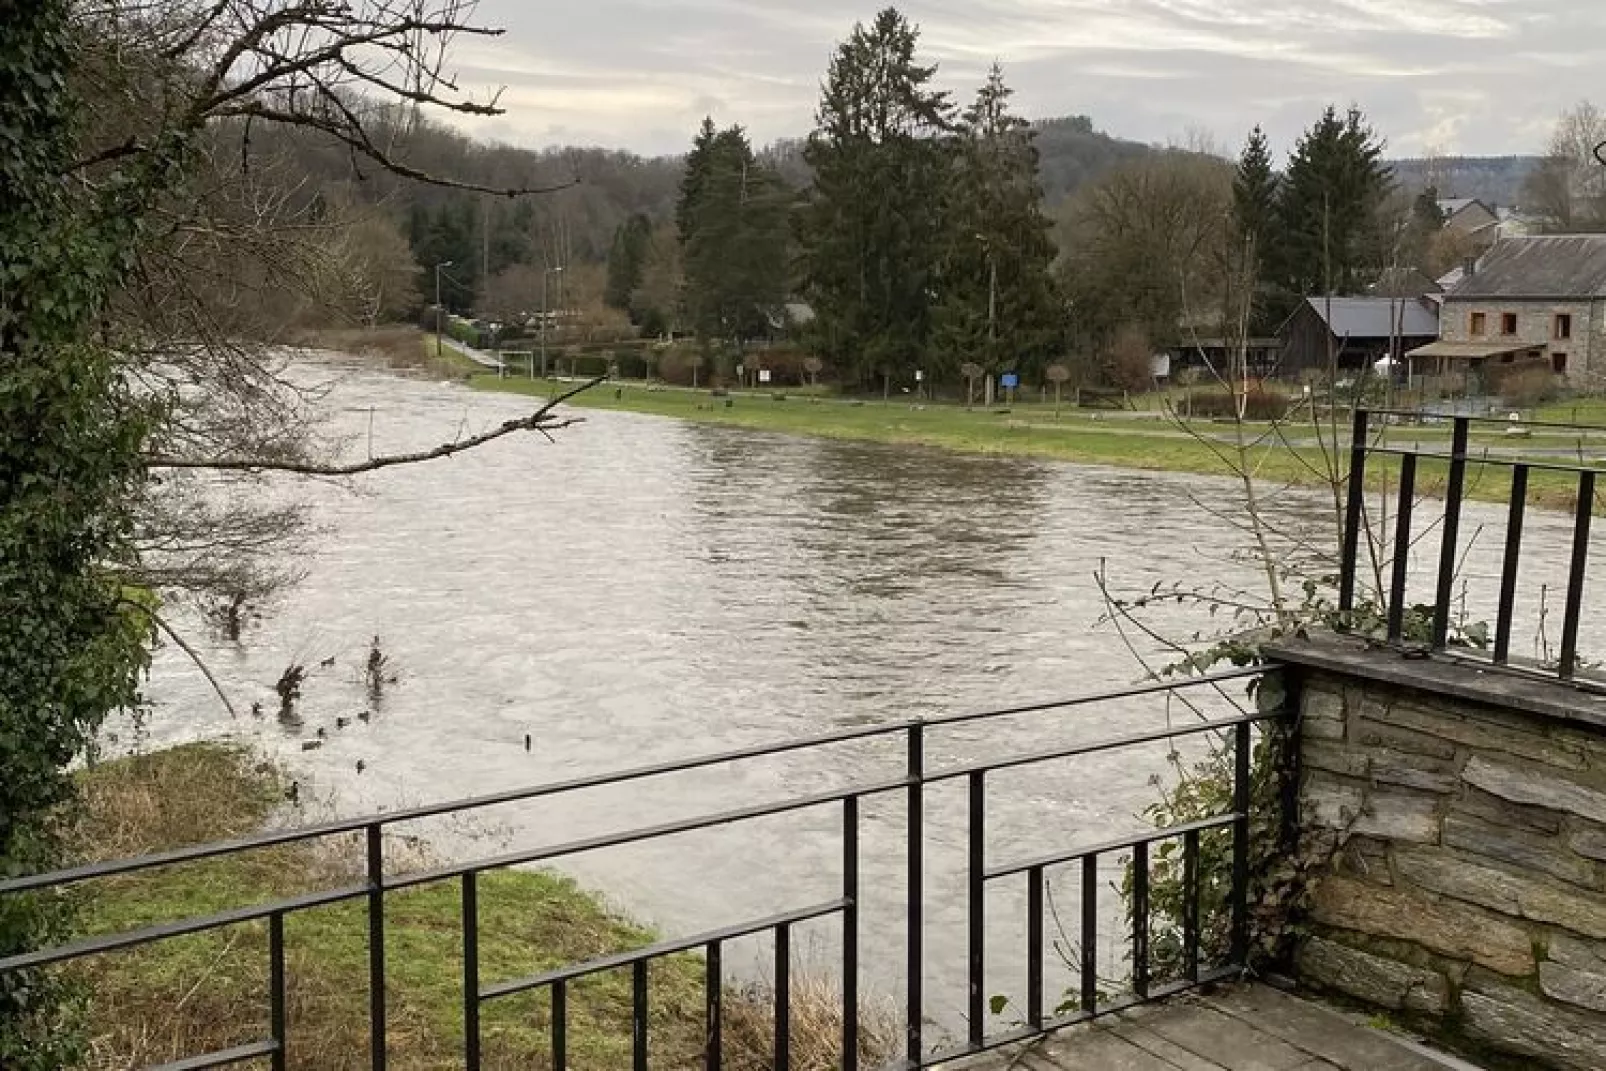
(1232, 1028)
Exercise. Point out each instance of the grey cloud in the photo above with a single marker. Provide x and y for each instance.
(1472, 76)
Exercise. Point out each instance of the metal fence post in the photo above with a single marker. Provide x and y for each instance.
(916, 909)
(1576, 575)
(471, 971)
(1350, 553)
(376, 945)
(1454, 491)
(850, 934)
(1511, 564)
(276, 995)
(1241, 795)
(977, 883)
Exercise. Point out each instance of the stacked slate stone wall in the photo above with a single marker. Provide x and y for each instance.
(1468, 889)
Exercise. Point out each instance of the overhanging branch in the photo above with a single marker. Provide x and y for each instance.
(541, 420)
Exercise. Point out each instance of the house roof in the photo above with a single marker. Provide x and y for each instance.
(1376, 317)
(1404, 282)
(1451, 205)
(1547, 266)
(1471, 351)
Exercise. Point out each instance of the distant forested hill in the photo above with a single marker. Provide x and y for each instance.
(1496, 180)
(1071, 152)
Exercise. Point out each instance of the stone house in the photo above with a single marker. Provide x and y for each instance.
(1527, 300)
(1471, 217)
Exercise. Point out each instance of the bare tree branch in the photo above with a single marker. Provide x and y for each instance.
(184, 646)
(541, 420)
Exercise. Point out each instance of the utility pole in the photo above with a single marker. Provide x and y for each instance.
(992, 300)
(545, 313)
(439, 311)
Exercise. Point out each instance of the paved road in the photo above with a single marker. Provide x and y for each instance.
(479, 357)
(1236, 1028)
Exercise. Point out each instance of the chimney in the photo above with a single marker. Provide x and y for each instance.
(1469, 267)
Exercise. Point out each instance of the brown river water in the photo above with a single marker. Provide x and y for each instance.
(646, 589)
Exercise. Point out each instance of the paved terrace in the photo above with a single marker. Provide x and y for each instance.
(1235, 1028)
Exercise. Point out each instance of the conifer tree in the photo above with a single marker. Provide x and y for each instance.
(998, 306)
(733, 219)
(1329, 206)
(872, 233)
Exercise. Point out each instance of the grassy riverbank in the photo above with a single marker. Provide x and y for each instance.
(1153, 442)
(208, 991)
(1022, 430)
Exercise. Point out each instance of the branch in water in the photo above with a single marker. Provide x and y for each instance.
(184, 646)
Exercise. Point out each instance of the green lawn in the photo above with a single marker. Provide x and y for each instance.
(1032, 429)
(194, 994)
(1024, 429)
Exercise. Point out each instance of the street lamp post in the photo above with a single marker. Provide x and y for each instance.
(439, 312)
(544, 313)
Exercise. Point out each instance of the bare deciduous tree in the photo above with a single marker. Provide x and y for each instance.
(191, 111)
(1568, 188)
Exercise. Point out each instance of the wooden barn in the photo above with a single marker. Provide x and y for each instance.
(1360, 331)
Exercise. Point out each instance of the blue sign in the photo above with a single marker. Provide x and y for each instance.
(1009, 381)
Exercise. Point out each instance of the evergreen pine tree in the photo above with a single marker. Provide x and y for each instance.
(1329, 206)
(1257, 241)
(733, 233)
(872, 233)
(998, 306)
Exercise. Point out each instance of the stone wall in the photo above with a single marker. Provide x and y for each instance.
(1468, 889)
(1536, 321)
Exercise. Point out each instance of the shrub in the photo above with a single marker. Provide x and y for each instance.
(1524, 384)
(675, 366)
(464, 331)
(1259, 404)
(1129, 362)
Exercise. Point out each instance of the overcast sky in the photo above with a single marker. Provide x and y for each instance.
(1482, 77)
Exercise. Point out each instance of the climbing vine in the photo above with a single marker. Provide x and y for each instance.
(70, 439)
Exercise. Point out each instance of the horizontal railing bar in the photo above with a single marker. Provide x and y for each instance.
(1029, 1033)
(1029, 758)
(1482, 459)
(236, 1055)
(1501, 421)
(1072, 855)
(667, 829)
(661, 949)
(298, 834)
(91, 946)
(1153, 688)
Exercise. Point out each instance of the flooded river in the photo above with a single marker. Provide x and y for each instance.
(645, 589)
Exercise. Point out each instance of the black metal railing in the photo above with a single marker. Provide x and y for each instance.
(1236, 729)
(1367, 441)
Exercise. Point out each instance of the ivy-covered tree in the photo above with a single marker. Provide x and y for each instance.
(998, 303)
(733, 219)
(70, 439)
(1329, 208)
(871, 233)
